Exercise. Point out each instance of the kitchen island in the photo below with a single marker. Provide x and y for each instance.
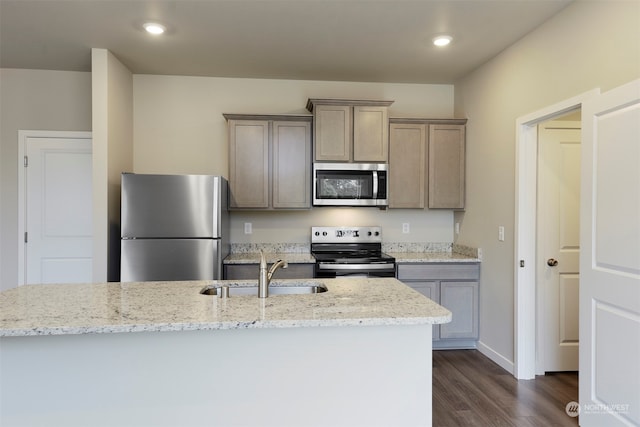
(162, 354)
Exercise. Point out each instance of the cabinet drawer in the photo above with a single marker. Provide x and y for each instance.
(252, 271)
(439, 271)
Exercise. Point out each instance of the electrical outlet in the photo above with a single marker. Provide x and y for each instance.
(501, 233)
(248, 229)
(405, 228)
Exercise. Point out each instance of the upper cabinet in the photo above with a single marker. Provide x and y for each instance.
(407, 165)
(350, 130)
(446, 166)
(427, 163)
(269, 161)
(332, 133)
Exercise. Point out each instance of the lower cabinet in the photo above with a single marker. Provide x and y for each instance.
(252, 271)
(454, 286)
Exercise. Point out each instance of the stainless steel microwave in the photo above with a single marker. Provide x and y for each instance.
(350, 184)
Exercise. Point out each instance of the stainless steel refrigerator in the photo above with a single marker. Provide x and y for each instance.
(173, 227)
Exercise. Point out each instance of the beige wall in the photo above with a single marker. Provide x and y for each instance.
(179, 128)
(112, 88)
(590, 44)
(32, 100)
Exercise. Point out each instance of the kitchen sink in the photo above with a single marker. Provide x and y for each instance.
(274, 289)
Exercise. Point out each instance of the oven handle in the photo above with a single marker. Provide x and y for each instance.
(327, 266)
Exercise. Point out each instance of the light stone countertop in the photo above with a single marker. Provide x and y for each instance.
(254, 258)
(419, 257)
(299, 253)
(178, 306)
(302, 258)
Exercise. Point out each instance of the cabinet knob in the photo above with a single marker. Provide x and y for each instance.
(552, 262)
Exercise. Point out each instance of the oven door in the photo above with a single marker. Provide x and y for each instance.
(336, 270)
(349, 184)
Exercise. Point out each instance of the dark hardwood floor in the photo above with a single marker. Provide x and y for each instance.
(471, 390)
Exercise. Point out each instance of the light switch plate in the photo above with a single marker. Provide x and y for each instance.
(248, 229)
(501, 233)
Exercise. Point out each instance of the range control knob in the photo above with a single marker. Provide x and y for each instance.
(324, 233)
(377, 233)
(368, 233)
(317, 233)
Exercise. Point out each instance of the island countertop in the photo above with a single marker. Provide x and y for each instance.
(62, 309)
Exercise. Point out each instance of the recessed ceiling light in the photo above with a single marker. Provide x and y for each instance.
(441, 41)
(154, 28)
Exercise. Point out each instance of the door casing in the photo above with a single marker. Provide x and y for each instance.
(526, 341)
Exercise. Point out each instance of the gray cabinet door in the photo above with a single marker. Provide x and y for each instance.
(333, 132)
(370, 134)
(455, 286)
(430, 290)
(407, 165)
(249, 163)
(291, 171)
(446, 166)
(461, 298)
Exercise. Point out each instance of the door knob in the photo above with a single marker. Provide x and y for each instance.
(552, 262)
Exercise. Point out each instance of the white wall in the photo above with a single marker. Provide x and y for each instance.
(179, 128)
(112, 89)
(309, 377)
(32, 100)
(589, 44)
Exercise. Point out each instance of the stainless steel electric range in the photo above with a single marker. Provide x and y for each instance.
(350, 252)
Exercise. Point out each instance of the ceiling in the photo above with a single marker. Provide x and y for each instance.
(335, 40)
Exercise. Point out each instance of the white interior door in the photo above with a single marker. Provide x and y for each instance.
(559, 242)
(610, 259)
(58, 209)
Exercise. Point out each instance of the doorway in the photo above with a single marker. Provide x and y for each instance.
(527, 345)
(558, 243)
(55, 207)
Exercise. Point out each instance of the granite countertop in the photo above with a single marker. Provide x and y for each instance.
(178, 306)
(254, 258)
(418, 257)
(299, 253)
(302, 258)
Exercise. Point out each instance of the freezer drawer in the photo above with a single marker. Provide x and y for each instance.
(170, 259)
(172, 206)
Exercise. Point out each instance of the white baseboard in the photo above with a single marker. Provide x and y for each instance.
(502, 361)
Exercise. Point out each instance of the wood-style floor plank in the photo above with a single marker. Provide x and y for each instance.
(471, 390)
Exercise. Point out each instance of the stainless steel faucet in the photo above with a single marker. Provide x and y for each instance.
(265, 274)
